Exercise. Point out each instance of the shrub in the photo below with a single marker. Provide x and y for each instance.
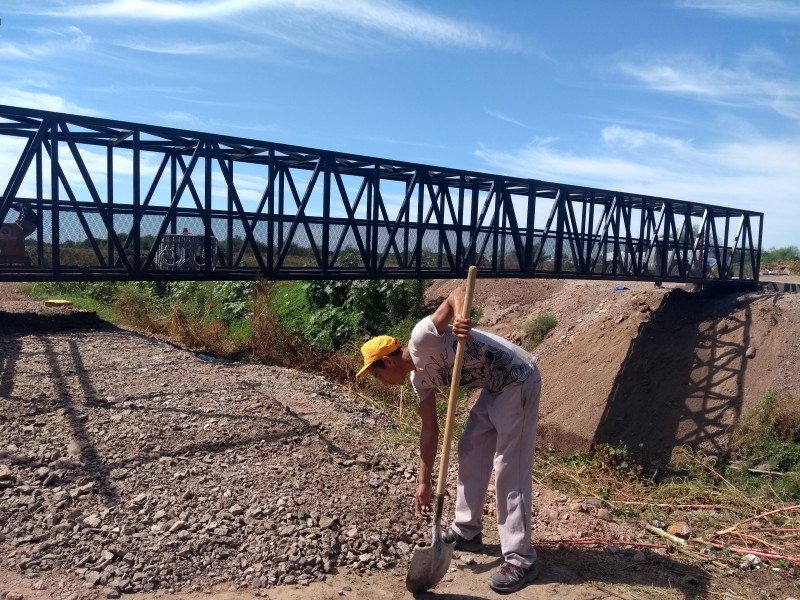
(291, 305)
(208, 336)
(341, 311)
(787, 253)
(271, 342)
(602, 472)
(133, 304)
(770, 433)
(537, 329)
(193, 298)
(232, 300)
(103, 291)
(331, 327)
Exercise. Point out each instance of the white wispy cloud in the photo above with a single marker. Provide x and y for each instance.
(753, 173)
(739, 85)
(749, 9)
(631, 140)
(42, 101)
(8, 50)
(234, 50)
(503, 117)
(56, 42)
(317, 18)
(178, 118)
(542, 159)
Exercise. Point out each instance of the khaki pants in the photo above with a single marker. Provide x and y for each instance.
(500, 434)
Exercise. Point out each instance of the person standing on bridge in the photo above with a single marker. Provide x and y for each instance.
(500, 432)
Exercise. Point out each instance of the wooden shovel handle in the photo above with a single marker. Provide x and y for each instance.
(454, 382)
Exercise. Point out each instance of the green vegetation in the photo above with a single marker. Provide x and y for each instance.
(784, 259)
(95, 297)
(602, 473)
(780, 254)
(763, 466)
(767, 440)
(288, 323)
(291, 306)
(537, 329)
(332, 313)
(208, 316)
(746, 502)
(377, 303)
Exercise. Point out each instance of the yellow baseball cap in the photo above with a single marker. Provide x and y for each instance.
(377, 348)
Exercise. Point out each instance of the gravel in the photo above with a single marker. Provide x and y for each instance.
(138, 466)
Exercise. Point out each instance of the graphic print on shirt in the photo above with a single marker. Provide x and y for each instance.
(442, 369)
(489, 362)
(497, 369)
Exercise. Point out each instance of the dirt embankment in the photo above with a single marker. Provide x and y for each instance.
(128, 465)
(653, 368)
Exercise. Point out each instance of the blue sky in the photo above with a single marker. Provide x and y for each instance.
(690, 99)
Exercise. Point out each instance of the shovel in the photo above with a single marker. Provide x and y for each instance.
(429, 564)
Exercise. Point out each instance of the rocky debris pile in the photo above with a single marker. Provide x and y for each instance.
(136, 466)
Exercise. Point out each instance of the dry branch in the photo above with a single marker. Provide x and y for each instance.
(667, 505)
(740, 550)
(598, 542)
(760, 516)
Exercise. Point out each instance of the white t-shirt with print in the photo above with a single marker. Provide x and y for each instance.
(490, 362)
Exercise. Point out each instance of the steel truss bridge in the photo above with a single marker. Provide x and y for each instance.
(92, 199)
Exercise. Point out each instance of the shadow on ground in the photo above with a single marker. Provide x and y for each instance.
(567, 572)
(27, 323)
(681, 381)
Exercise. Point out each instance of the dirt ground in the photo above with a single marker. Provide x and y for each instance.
(93, 417)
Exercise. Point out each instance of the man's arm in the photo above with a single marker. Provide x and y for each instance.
(428, 440)
(450, 309)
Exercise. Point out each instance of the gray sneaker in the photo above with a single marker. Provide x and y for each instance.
(472, 545)
(510, 577)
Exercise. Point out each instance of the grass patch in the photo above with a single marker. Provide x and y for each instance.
(770, 432)
(603, 473)
(537, 329)
(731, 510)
(767, 440)
(135, 307)
(273, 342)
(291, 306)
(79, 296)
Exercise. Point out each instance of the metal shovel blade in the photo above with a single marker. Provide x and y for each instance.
(429, 563)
